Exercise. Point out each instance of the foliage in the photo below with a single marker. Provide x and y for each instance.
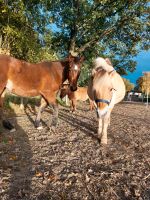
(146, 83)
(117, 29)
(143, 83)
(20, 31)
(34, 30)
(85, 74)
(11, 99)
(129, 86)
(138, 86)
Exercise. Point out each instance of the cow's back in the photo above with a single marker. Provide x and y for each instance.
(81, 94)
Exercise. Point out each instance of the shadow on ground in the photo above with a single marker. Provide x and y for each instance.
(15, 163)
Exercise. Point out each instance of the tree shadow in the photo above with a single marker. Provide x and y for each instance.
(79, 123)
(15, 162)
(32, 115)
(77, 113)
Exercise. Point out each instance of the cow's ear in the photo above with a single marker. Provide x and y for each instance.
(108, 61)
(70, 57)
(82, 59)
(111, 73)
(95, 70)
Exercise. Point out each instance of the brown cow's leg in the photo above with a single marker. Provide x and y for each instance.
(91, 104)
(5, 122)
(73, 105)
(38, 117)
(1, 106)
(51, 99)
(55, 115)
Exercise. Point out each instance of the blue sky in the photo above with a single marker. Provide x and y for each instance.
(143, 64)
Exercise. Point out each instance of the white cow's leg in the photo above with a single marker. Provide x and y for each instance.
(66, 100)
(109, 121)
(22, 104)
(99, 127)
(106, 121)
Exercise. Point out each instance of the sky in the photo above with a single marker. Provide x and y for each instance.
(143, 64)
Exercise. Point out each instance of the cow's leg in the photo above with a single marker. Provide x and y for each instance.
(6, 124)
(51, 99)
(55, 115)
(43, 105)
(2, 94)
(21, 103)
(100, 128)
(91, 104)
(66, 100)
(106, 120)
(74, 102)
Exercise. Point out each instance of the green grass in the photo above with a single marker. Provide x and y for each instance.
(17, 100)
(9, 98)
(61, 102)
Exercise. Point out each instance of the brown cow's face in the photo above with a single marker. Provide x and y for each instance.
(74, 71)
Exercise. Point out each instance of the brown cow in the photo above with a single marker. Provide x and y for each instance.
(79, 95)
(44, 79)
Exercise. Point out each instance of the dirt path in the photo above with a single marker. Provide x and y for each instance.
(70, 163)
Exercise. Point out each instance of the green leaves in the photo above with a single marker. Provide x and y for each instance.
(118, 29)
(23, 30)
(129, 86)
(143, 83)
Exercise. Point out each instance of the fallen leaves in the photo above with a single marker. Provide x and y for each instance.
(13, 157)
(39, 174)
(7, 140)
(48, 175)
(71, 164)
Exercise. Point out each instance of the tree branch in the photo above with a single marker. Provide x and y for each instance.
(94, 41)
(86, 21)
(108, 15)
(74, 29)
(106, 32)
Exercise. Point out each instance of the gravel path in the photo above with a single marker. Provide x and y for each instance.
(70, 163)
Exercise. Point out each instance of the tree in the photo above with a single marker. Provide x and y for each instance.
(146, 83)
(129, 86)
(113, 27)
(143, 83)
(138, 86)
(23, 35)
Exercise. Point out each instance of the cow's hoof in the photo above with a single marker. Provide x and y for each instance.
(12, 130)
(8, 125)
(53, 129)
(103, 142)
(39, 127)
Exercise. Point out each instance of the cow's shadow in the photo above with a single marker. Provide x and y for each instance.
(15, 162)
